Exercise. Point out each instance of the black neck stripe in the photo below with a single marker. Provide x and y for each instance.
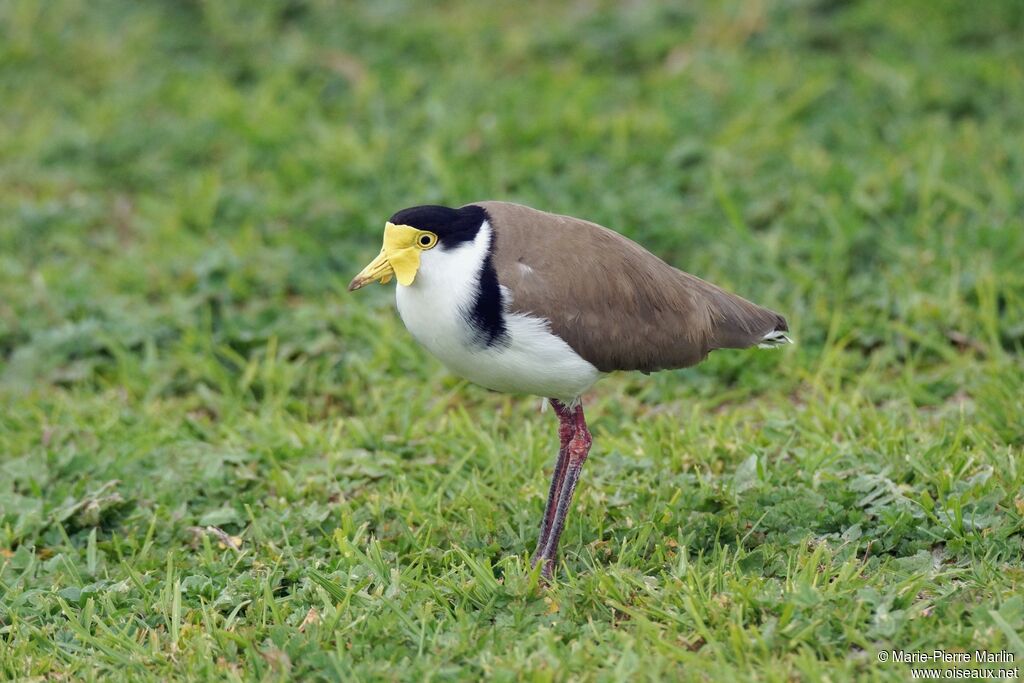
(488, 312)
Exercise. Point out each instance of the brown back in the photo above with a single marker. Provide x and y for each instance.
(616, 304)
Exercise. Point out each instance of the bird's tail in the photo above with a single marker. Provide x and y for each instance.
(774, 339)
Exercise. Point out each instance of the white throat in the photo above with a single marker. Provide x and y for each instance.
(435, 306)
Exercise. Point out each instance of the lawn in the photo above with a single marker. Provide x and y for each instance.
(215, 463)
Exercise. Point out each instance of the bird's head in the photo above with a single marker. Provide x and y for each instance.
(410, 237)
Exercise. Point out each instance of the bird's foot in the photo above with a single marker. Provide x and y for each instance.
(547, 569)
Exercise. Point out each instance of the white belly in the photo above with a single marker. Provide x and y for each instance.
(534, 361)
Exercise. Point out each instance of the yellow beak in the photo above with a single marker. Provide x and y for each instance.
(399, 257)
(379, 269)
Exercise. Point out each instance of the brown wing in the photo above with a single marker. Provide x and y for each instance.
(616, 304)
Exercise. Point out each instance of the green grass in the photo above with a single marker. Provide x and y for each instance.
(216, 463)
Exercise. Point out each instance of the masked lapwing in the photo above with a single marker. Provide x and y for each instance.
(522, 301)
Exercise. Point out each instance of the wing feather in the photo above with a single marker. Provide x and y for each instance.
(616, 304)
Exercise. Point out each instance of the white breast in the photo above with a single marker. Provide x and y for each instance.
(433, 308)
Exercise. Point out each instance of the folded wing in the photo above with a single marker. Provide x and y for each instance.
(616, 304)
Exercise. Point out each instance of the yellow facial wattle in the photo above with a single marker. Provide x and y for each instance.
(402, 251)
(399, 257)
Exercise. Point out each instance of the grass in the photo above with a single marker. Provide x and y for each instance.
(216, 463)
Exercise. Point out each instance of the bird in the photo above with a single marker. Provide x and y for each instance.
(523, 301)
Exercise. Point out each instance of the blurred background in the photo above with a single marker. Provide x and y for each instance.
(186, 188)
(173, 165)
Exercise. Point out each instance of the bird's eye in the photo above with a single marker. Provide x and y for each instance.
(426, 240)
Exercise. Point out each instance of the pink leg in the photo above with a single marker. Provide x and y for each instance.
(576, 453)
(566, 429)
